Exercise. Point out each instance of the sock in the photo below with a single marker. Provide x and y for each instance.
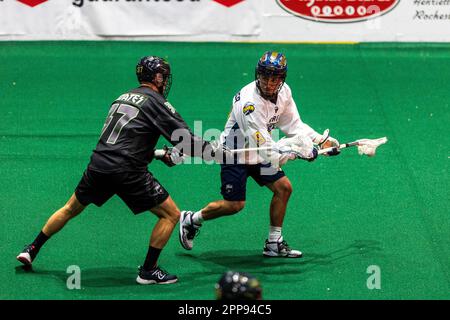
(197, 218)
(152, 258)
(39, 241)
(274, 234)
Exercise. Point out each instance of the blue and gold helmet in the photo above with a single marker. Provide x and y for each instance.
(271, 64)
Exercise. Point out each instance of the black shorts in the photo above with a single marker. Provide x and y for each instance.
(234, 178)
(139, 190)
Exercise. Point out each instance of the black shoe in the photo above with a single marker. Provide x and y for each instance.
(27, 255)
(155, 276)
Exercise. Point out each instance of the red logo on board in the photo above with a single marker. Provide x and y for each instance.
(32, 3)
(338, 10)
(228, 3)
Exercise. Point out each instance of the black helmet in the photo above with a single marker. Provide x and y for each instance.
(272, 63)
(238, 286)
(155, 70)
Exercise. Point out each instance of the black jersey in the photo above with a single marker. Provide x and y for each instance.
(132, 128)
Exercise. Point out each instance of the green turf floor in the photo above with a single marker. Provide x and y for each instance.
(346, 213)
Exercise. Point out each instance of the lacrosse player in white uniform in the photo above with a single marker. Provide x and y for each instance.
(259, 107)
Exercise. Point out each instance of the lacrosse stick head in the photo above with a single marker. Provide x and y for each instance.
(369, 147)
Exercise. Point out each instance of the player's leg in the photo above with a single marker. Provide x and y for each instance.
(282, 190)
(58, 220)
(279, 184)
(190, 221)
(234, 180)
(94, 187)
(275, 246)
(54, 224)
(168, 215)
(218, 209)
(143, 193)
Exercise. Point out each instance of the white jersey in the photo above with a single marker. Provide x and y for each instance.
(253, 118)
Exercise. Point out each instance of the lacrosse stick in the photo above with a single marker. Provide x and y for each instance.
(365, 147)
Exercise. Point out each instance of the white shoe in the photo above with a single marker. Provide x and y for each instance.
(188, 229)
(280, 248)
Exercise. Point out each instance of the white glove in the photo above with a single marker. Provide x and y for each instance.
(305, 154)
(326, 141)
(331, 143)
(170, 156)
(177, 157)
(219, 149)
(298, 147)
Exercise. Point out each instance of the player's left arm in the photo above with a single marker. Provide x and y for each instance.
(173, 127)
(291, 124)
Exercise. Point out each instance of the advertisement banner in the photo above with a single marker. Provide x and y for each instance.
(357, 20)
(78, 19)
(227, 20)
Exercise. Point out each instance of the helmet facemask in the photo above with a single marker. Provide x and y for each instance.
(269, 85)
(163, 81)
(270, 74)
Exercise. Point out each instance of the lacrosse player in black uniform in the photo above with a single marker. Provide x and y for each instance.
(118, 165)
